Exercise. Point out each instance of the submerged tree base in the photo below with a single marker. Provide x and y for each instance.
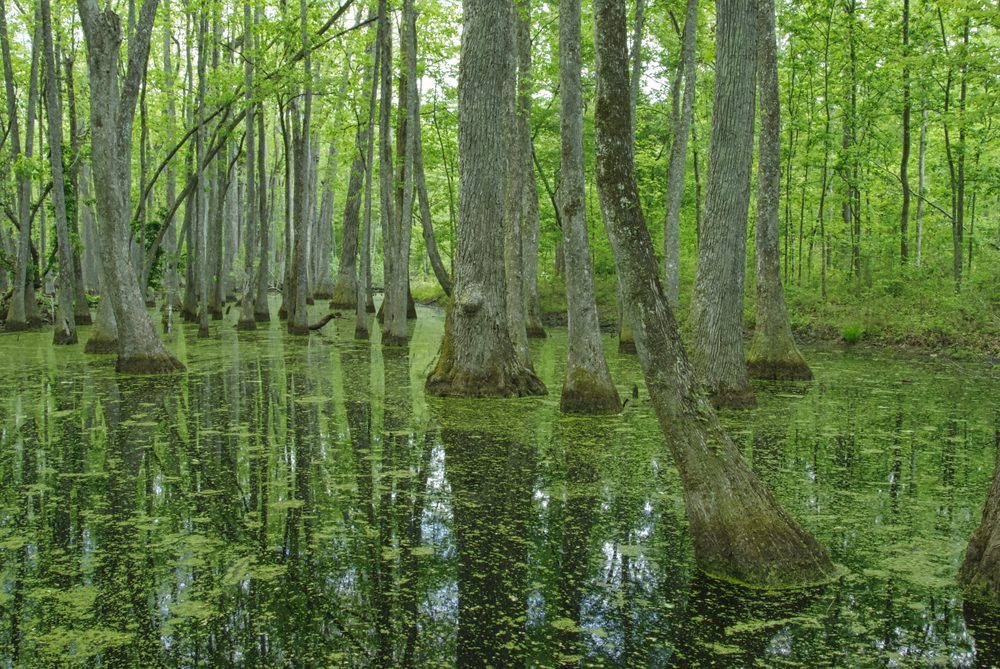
(535, 331)
(246, 324)
(980, 571)
(585, 393)
(451, 383)
(149, 363)
(101, 345)
(62, 337)
(626, 345)
(779, 369)
(263, 316)
(83, 318)
(732, 398)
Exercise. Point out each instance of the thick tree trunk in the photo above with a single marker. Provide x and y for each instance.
(739, 531)
(477, 357)
(387, 216)
(345, 289)
(64, 321)
(980, 571)
(588, 387)
(139, 348)
(717, 306)
(773, 354)
(681, 129)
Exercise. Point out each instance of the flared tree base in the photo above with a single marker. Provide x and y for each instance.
(394, 340)
(262, 316)
(61, 337)
(246, 324)
(732, 398)
(310, 301)
(83, 318)
(17, 326)
(298, 330)
(101, 345)
(322, 295)
(626, 346)
(345, 296)
(779, 370)
(515, 382)
(586, 393)
(149, 363)
(361, 334)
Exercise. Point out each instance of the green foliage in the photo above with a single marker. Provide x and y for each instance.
(852, 334)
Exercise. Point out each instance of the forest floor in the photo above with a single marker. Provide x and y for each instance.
(915, 310)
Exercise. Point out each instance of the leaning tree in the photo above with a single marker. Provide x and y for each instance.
(738, 529)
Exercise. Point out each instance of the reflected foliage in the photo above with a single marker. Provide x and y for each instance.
(301, 504)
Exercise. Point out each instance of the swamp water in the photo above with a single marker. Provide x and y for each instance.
(301, 503)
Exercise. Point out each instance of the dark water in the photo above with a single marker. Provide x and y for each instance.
(301, 503)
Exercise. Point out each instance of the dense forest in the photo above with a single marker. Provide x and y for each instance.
(319, 231)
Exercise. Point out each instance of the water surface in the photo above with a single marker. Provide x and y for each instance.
(301, 503)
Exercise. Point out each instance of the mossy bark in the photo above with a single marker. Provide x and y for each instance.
(717, 305)
(773, 354)
(739, 531)
(980, 571)
(477, 357)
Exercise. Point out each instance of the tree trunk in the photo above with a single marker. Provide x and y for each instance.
(324, 282)
(202, 256)
(773, 354)
(980, 571)
(261, 308)
(387, 215)
(530, 223)
(397, 279)
(139, 349)
(477, 357)
(364, 283)
(81, 308)
(298, 316)
(922, 152)
(64, 321)
(681, 128)
(904, 164)
(426, 222)
(588, 387)
(738, 530)
(23, 290)
(519, 142)
(717, 306)
(247, 320)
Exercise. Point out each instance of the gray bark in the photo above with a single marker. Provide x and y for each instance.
(298, 318)
(325, 238)
(739, 531)
(519, 142)
(65, 323)
(588, 387)
(529, 228)
(345, 288)
(681, 130)
(717, 307)
(112, 113)
(202, 257)
(477, 357)
(980, 571)
(922, 152)
(247, 320)
(386, 210)
(23, 290)
(426, 222)
(397, 244)
(773, 354)
(81, 309)
(364, 281)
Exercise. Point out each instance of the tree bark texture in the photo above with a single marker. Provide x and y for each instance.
(477, 357)
(739, 531)
(980, 571)
(111, 115)
(717, 306)
(588, 387)
(773, 354)
(681, 129)
(65, 322)
(530, 222)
